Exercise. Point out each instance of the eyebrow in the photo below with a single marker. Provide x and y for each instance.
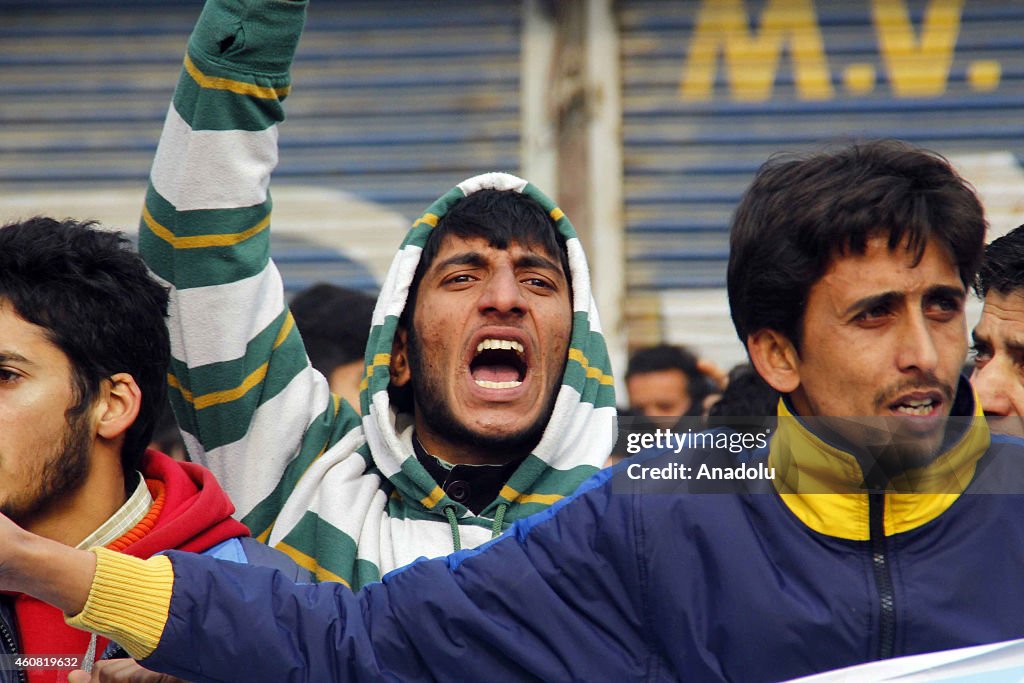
(893, 298)
(1014, 345)
(957, 293)
(12, 356)
(883, 299)
(980, 340)
(537, 261)
(467, 258)
(477, 260)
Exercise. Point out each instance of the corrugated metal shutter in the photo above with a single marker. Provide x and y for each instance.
(398, 101)
(709, 93)
(395, 101)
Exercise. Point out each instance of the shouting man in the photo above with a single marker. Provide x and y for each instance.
(487, 394)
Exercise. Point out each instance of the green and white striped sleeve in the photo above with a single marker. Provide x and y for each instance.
(240, 382)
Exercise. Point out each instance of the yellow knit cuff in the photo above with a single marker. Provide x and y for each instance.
(129, 601)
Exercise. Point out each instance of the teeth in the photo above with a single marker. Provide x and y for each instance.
(918, 404)
(915, 408)
(507, 344)
(496, 385)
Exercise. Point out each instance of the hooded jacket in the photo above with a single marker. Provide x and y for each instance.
(189, 512)
(345, 496)
(798, 569)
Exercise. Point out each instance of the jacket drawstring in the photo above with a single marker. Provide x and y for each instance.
(496, 528)
(499, 521)
(449, 512)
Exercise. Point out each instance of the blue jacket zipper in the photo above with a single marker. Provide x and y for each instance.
(883, 576)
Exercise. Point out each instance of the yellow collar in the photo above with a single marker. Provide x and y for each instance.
(823, 485)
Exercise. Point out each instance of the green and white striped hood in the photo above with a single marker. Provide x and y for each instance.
(580, 434)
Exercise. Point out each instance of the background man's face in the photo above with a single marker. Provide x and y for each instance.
(490, 342)
(999, 358)
(42, 456)
(660, 393)
(885, 339)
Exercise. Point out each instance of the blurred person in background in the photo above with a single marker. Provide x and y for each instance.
(746, 395)
(335, 325)
(166, 435)
(667, 381)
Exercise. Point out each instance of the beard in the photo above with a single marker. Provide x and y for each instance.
(428, 395)
(62, 473)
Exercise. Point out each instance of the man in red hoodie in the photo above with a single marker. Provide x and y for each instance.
(84, 355)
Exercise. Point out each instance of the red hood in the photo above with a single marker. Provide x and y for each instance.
(190, 510)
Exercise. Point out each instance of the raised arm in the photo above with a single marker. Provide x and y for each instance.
(242, 389)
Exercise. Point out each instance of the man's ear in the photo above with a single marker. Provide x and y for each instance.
(401, 372)
(118, 405)
(775, 359)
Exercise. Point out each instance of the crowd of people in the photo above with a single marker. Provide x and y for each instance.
(411, 487)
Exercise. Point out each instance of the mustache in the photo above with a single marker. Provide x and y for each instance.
(925, 382)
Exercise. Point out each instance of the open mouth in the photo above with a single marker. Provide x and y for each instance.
(916, 407)
(498, 364)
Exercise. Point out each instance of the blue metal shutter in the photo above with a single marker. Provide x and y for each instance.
(395, 101)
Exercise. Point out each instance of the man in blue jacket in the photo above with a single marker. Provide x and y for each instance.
(879, 517)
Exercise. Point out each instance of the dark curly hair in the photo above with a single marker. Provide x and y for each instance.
(96, 300)
(1002, 271)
